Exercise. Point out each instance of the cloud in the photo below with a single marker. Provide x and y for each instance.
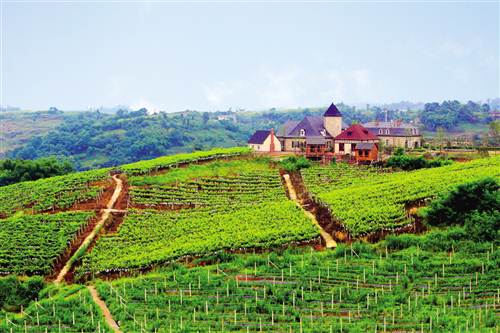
(143, 103)
(292, 86)
(218, 93)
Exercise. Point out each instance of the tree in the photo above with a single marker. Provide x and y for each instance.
(440, 137)
(206, 117)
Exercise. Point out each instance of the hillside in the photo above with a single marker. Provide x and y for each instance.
(93, 139)
(219, 240)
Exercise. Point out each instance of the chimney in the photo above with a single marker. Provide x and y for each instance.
(271, 147)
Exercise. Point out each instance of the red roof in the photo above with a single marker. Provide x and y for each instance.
(356, 132)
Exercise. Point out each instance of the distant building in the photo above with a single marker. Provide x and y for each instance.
(321, 137)
(264, 141)
(396, 133)
(314, 134)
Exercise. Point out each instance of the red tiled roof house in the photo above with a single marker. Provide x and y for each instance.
(357, 142)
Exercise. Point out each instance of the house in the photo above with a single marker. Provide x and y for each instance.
(264, 141)
(396, 133)
(313, 135)
(357, 142)
(321, 137)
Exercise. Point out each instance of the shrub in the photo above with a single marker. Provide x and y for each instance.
(294, 163)
(456, 206)
(15, 293)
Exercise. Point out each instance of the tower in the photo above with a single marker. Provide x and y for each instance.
(332, 120)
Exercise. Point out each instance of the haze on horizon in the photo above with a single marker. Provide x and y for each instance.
(174, 56)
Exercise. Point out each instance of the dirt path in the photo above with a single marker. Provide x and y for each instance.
(105, 213)
(104, 309)
(329, 241)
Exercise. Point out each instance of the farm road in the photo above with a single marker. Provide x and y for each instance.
(105, 213)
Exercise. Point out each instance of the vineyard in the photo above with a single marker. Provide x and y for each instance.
(217, 246)
(30, 244)
(147, 238)
(67, 309)
(366, 200)
(47, 194)
(172, 161)
(357, 289)
(246, 188)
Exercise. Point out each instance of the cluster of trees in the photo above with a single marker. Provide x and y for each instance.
(15, 292)
(14, 171)
(449, 114)
(475, 206)
(402, 161)
(94, 139)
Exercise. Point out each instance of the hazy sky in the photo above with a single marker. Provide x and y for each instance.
(174, 56)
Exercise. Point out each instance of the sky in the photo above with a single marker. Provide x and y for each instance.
(210, 56)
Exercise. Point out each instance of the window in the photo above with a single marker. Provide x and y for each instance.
(380, 131)
(387, 131)
(341, 147)
(302, 132)
(406, 143)
(323, 132)
(386, 142)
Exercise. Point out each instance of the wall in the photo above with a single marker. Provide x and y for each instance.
(399, 141)
(333, 125)
(266, 145)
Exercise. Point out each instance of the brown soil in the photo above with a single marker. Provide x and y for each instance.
(72, 248)
(334, 227)
(322, 213)
(113, 224)
(123, 199)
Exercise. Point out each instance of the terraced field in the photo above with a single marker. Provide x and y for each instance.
(347, 290)
(366, 200)
(202, 215)
(31, 244)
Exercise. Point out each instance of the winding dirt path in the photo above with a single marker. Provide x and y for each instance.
(105, 213)
(104, 309)
(329, 241)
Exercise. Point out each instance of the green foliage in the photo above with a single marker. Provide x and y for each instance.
(15, 292)
(449, 114)
(358, 289)
(147, 238)
(173, 161)
(218, 168)
(58, 309)
(406, 162)
(484, 225)
(453, 207)
(14, 171)
(367, 199)
(50, 193)
(210, 210)
(30, 244)
(294, 163)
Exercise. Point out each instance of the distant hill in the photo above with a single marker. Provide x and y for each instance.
(92, 139)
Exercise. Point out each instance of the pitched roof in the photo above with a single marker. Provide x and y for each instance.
(312, 125)
(364, 146)
(395, 128)
(287, 127)
(388, 124)
(316, 140)
(332, 112)
(259, 137)
(356, 132)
